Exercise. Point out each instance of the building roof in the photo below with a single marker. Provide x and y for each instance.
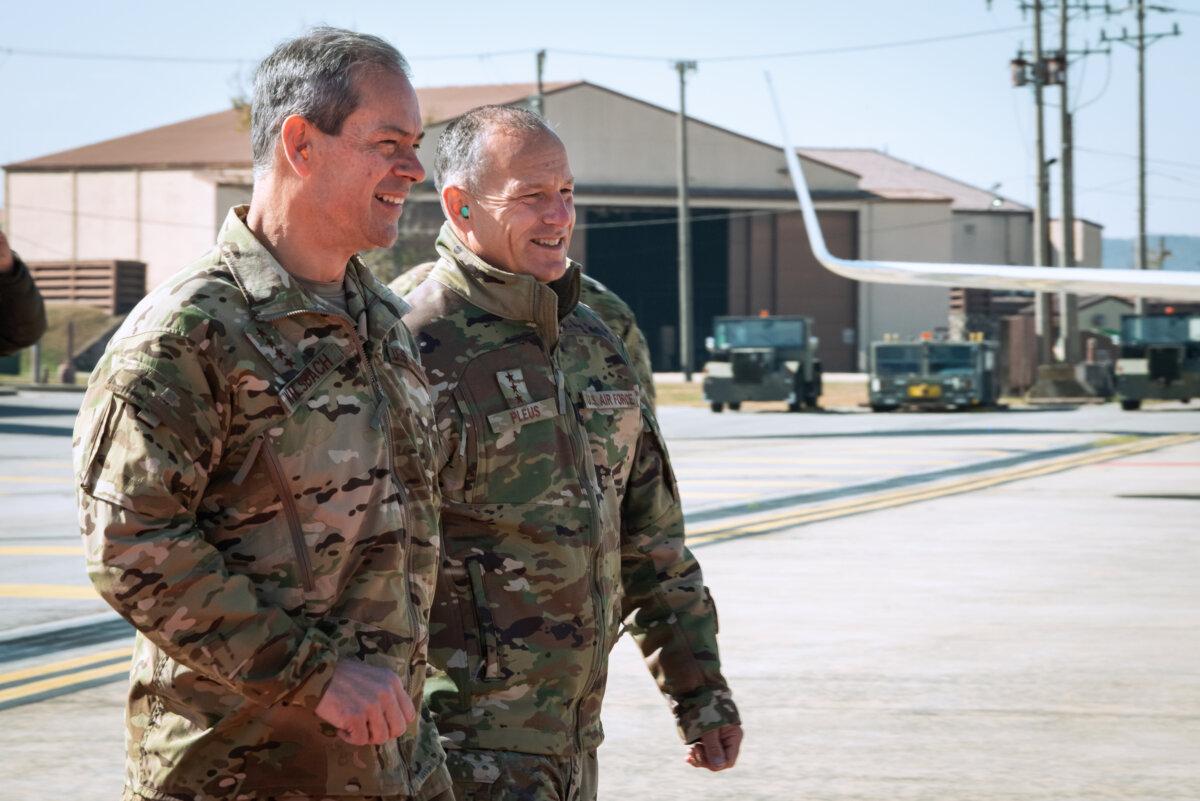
(895, 179)
(220, 140)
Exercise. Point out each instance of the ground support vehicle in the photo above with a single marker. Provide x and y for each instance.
(933, 375)
(762, 359)
(1159, 358)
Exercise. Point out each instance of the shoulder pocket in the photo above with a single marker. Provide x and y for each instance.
(153, 400)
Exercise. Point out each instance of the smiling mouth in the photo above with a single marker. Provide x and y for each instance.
(549, 244)
(390, 200)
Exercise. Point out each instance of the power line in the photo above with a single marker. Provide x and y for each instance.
(1133, 156)
(79, 55)
(821, 51)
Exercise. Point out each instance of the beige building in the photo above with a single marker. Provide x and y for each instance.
(159, 196)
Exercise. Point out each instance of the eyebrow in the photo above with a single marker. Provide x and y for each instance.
(398, 130)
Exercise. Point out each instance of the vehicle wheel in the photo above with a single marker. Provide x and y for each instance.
(1131, 405)
(717, 407)
(735, 406)
(794, 406)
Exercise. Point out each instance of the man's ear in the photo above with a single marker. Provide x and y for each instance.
(454, 201)
(296, 142)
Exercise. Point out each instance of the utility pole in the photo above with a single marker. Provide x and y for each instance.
(1140, 43)
(539, 100)
(1068, 303)
(1043, 313)
(685, 251)
(1041, 70)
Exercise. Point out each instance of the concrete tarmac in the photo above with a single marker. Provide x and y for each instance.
(1036, 641)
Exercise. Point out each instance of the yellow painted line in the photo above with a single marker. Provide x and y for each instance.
(61, 592)
(756, 482)
(718, 531)
(65, 664)
(37, 479)
(36, 687)
(41, 550)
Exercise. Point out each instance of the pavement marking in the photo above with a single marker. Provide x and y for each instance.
(752, 525)
(59, 592)
(41, 550)
(37, 479)
(17, 676)
(61, 685)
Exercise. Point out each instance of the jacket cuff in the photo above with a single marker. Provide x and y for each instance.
(704, 710)
(322, 658)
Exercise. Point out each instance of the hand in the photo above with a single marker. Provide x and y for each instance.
(6, 254)
(368, 705)
(716, 749)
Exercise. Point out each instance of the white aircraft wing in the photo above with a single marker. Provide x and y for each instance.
(1165, 285)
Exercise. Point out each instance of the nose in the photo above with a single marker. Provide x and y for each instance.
(409, 166)
(560, 211)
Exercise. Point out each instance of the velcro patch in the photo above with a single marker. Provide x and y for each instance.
(612, 398)
(305, 381)
(529, 413)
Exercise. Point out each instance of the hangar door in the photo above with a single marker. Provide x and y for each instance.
(634, 251)
(772, 269)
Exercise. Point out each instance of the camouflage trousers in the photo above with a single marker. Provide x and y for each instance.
(513, 776)
(435, 787)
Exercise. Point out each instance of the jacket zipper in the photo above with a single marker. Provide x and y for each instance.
(591, 487)
(379, 420)
(293, 517)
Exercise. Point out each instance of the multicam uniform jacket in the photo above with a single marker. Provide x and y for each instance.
(257, 495)
(560, 518)
(607, 305)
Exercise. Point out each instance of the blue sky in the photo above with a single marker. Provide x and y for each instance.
(947, 105)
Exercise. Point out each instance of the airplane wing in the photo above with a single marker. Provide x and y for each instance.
(1165, 285)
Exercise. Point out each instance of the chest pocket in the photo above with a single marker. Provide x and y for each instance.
(515, 437)
(612, 418)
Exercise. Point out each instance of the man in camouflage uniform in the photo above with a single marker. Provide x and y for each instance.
(607, 304)
(560, 515)
(254, 464)
(22, 313)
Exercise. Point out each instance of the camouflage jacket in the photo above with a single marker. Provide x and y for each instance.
(560, 519)
(257, 497)
(22, 313)
(615, 313)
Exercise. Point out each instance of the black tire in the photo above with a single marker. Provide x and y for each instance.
(717, 407)
(735, 406)
(1131, 405)
(794, 407)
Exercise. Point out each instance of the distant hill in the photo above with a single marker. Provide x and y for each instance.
(1185, 252)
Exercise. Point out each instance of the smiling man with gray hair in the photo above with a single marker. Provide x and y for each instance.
(253, 462)
(561, 520)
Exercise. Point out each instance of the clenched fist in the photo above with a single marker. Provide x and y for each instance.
(368, 705)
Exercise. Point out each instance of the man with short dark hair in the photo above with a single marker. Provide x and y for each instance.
(560, 517)
(253, 458)
(22, 313)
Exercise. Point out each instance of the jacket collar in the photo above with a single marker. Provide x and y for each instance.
(513, 296)
(271, 292)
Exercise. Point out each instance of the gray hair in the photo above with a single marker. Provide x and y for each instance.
(313, 76)
(459, 157)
